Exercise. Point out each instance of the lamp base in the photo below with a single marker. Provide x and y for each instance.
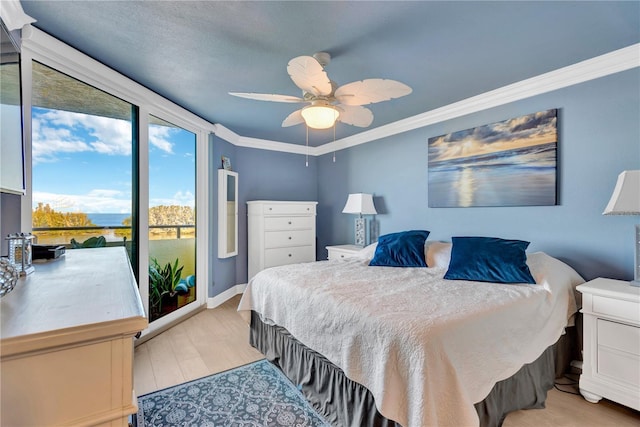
(360, 232)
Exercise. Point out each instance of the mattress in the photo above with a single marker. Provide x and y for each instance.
(426, 348)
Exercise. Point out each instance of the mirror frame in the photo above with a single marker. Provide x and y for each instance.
(223, 218)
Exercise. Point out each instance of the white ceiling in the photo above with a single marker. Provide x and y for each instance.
(195, 52)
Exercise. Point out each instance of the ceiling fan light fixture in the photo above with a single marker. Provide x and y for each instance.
(320, 116)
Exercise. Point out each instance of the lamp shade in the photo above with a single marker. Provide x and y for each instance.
(320, 115)
(625, 199)
(360, 203)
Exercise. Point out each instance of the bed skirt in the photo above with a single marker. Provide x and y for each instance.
(344, 402)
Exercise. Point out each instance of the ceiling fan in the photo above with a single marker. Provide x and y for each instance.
(329, 103)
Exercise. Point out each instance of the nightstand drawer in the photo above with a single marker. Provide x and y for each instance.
(619, 366)
(289, 223)
(278, 239)
(619, 336)
(621, 309)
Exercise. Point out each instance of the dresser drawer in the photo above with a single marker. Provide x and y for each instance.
(618, 336)
(292, 255)
(289, 209)
(289, 223)
(278, 239)
(620, 309)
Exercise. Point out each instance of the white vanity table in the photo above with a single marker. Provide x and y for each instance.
(67, 342)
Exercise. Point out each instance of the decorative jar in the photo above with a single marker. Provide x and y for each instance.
(8, 276)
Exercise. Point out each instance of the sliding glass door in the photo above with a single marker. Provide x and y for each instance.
(171, 218)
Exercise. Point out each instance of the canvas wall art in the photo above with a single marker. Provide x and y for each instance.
(509, 163)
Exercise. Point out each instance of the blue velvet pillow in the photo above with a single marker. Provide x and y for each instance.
(489, 259)
(404, 249)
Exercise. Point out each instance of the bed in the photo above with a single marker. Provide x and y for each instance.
(381, 345)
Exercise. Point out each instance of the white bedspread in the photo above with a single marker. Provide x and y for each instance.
(426, 348)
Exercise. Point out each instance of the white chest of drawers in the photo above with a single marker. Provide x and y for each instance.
(611, 353)
(280, 233)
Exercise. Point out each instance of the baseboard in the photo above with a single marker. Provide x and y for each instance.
(225, 296)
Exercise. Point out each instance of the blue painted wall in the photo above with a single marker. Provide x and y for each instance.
(599, 136)
(262, 175)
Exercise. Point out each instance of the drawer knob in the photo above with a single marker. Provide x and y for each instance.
(289, 237)
(341, 256)
(289, 255)
(289, 222)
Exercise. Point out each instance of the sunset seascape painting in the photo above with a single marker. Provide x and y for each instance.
(509, 163)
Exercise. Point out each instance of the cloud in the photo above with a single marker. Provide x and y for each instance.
(532, 129)
(181, 198)
(56, 132)
(158, 137)
(96, 201)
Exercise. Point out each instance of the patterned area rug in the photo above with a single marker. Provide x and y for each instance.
(257, 394)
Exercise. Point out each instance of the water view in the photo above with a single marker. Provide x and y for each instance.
(520, 177)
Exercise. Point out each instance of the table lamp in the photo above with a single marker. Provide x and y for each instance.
(625, 200)
(361, 204)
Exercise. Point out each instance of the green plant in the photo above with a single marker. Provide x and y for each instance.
(162, 281)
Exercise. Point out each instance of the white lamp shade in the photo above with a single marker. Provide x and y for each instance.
(360, 203)
(625, 199)
(320, 115)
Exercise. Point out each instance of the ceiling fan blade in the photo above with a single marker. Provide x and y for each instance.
(307, 73)
(293, 119)
(370, 91)
(267, 97)
(355, 115)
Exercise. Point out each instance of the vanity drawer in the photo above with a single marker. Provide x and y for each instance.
(292, 255)
(278, 239)
(289, 209)
(289, 223)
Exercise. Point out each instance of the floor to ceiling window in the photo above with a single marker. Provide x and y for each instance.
(82, 162)
(107, 172)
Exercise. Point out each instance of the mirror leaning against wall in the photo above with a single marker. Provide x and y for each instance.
(227, 213)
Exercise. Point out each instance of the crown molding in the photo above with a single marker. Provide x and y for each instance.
(599, 66)
(590, 69)
(40, 46)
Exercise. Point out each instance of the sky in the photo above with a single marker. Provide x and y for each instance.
(83, 163)
(524, 131)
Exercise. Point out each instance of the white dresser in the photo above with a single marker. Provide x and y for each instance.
(67, 342)
(611, 353)
(280, 233)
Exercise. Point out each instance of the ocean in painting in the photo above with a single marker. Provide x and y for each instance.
(519, 177)
(107, 219)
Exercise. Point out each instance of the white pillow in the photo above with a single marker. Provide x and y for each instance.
(437, 254)
(367, 252)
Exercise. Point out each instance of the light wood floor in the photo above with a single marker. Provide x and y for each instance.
(216, 340)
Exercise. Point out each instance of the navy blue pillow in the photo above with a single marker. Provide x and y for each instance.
(404, 249)
(489, 259)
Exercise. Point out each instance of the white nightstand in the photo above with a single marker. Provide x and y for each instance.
(343, 251)
(611, 352)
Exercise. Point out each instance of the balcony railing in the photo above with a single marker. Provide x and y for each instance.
(83, 232)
